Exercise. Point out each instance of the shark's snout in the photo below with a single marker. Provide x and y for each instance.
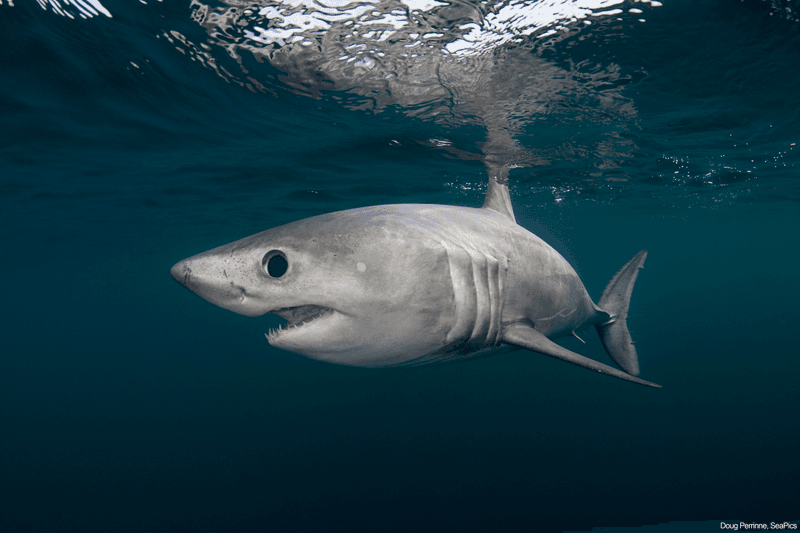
(192, 276)
(181, 272)
(208, 277)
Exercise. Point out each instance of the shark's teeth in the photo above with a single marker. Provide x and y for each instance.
(304, 314)
(274, 332)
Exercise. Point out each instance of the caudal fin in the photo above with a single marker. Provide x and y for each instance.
(615, 301)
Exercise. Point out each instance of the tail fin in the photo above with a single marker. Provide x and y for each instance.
(615, 300)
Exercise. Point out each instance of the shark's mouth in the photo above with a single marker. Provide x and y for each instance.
(297, 317)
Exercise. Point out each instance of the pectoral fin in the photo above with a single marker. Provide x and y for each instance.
(529, 338)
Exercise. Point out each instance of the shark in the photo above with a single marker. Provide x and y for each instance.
(416, 284)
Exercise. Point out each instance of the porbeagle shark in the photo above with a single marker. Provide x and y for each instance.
(413, 284)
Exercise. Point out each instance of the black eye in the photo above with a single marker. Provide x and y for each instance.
(275, 263)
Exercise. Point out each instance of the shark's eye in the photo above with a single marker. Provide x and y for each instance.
(275, 263)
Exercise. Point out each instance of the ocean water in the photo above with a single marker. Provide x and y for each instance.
(135, 134)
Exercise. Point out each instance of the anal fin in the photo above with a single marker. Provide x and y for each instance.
(529, 338)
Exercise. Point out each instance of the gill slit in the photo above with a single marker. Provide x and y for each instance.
(479, 283)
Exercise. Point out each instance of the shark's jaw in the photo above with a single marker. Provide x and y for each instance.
(300, 319)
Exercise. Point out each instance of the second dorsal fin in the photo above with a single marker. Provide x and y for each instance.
(497, 196)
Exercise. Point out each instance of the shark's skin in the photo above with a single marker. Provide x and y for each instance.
(412, 284)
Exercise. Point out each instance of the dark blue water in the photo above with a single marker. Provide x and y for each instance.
(129, 404)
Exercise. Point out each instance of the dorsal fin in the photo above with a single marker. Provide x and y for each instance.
(497, 197)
